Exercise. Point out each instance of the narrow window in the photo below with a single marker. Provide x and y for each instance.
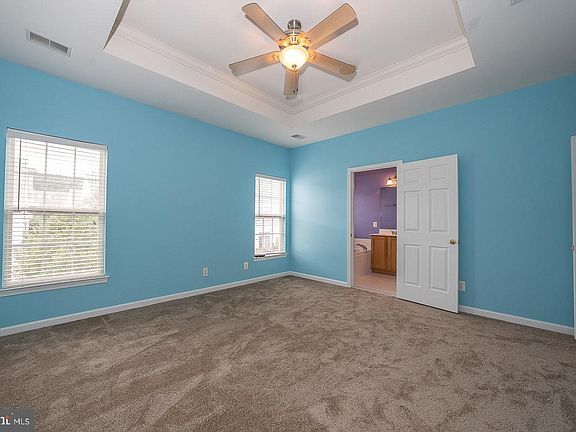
(270, 217)
(54, 211)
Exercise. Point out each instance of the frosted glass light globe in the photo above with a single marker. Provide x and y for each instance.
(294, 56)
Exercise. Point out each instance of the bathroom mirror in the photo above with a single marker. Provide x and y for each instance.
(388, 207)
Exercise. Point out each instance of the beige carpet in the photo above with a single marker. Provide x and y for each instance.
(291, 355)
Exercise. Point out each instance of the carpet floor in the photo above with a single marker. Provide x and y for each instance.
(291, 355)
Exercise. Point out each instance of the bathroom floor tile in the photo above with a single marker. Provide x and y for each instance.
(377, 283)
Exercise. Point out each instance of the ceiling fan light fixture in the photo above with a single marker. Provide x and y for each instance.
(297, 48)
(294, 57)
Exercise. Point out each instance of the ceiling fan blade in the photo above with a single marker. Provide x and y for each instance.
(291, 83)
(254, 63)
(338, 22)
(261, 20)
(332, 66)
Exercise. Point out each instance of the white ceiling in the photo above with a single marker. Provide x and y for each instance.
(427, 52)
(511, 47)
(217, 34)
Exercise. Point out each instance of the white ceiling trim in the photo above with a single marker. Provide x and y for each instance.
(436, 63)
(142, 50)
(435, 53)
(136, 47)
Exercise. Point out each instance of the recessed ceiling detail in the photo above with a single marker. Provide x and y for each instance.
(384, 69)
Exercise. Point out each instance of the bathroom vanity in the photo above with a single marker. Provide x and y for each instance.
(384, 253)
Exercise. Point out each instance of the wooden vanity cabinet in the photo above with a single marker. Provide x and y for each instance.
(384, 254)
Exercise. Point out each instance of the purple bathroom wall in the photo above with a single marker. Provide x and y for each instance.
(367, 202)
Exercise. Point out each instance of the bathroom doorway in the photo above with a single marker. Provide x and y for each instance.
(373, 228)
(426, 255)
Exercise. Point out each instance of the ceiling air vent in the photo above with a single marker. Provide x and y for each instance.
(298, 136)
(34, 37)
(514, 2)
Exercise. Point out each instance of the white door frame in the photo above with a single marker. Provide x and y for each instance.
(573, 149)
(350, 205)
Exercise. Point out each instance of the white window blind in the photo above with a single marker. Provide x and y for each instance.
(270, 220)
(54, 210)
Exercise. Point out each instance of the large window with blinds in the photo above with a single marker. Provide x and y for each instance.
(270, 217)
(54, 212)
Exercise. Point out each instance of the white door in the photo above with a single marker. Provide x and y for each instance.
(428, 232)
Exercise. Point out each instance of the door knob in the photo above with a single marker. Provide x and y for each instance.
(452, 242)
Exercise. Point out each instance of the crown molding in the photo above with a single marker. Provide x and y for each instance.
(388, 72)
(436, 63)
(136, 47)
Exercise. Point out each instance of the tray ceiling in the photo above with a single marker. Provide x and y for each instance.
(217, 33)
(396, 46)
(413, 56)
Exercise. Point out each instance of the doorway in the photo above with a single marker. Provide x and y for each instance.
(373, 230)
(425, 244)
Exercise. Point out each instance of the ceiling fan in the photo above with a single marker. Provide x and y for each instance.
(298, 48)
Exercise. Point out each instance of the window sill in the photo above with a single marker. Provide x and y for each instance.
(270, 257)
(25, 289)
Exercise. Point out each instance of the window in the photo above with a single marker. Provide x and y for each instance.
(270, 217)
(54, 211)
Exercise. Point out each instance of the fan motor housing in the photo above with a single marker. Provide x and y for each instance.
(294, 35)
(294, 24)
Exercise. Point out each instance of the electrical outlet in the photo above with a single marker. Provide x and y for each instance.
(374, 224)
(461, 285)
(204, 271)
(245, 265)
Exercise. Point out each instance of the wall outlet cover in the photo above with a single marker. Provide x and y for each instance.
(204, 271)
(461, 285)
(246, 265)
(374, 224)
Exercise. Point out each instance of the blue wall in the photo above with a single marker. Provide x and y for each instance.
(515, 229)
(180, 193)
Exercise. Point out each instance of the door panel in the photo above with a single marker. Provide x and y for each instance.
(411, 176)
(428, 234)
(439, 210)
(411, 211)
(412, 265)
(439, 268)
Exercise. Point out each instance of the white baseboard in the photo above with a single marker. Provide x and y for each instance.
(19, 328)
(319, 279)
(558, 328)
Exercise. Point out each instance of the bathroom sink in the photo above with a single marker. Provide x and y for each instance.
(387, 232)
